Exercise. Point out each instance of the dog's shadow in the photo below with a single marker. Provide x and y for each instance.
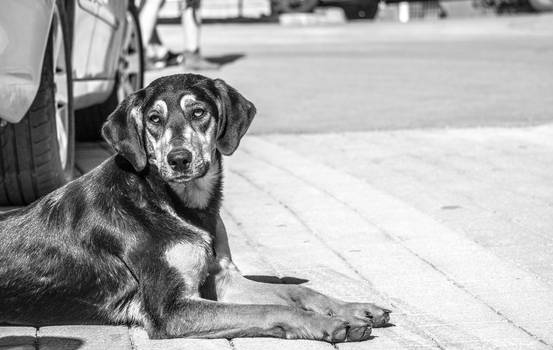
(23, 342)
(276, 280)
(291, 280)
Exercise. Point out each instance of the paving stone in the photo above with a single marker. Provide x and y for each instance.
(84, 338)
(17, 338)
(89, 155)
(278, 344)
(141, 341)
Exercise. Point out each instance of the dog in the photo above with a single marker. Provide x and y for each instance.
(139, 239)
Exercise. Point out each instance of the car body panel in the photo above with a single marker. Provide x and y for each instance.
(94, 75)
(83, 32)
(28, 22)
(97, 36)
(91, 92)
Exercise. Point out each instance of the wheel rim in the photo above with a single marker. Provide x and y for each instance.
(129, 74)
(61, 92)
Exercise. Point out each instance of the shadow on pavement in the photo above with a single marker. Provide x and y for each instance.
(276, 280)
(60, 343)
(21, 342)
(225, 59)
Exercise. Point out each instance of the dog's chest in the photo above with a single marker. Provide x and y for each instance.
(191, 261)
(190, 256)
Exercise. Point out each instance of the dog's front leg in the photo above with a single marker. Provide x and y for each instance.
(207, 319)
(232, 287)
(167, 310)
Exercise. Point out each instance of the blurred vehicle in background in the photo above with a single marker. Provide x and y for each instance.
(352, 8)
(514, 6)
(228, 9)
(541, 5)
(64, 66)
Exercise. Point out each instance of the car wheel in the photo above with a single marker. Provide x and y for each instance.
(366, 9)
(291, 6)
(129, 78)
(37, 154)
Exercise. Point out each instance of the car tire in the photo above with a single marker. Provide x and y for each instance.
(294, 6)
(37, 154)
(90, 119)
(366, 9)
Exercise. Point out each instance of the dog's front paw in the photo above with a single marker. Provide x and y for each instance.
(358, 329)
(331, 329)
(338, 330)
(377, 315)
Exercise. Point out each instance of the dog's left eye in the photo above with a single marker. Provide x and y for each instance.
(155, 119)
(198, 112)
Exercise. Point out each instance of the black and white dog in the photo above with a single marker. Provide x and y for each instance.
(139, 240)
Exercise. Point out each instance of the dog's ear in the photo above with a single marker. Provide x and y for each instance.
(124, 130)
(235, 116)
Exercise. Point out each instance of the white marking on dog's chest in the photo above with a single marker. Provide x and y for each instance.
(190, 259)
(192, 262)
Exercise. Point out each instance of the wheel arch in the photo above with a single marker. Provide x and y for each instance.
(22, 48)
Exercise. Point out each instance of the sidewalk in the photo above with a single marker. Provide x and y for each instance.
(451, 228)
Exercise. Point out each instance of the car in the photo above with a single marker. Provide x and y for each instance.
(64, 66)
(352, 8)
(541, 5)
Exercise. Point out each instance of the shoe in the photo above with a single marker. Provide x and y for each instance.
(154, 57)
(194, 61)
(154, 63)
(173, 58)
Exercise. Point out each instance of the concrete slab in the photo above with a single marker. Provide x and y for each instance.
(278, 344)
(141, 341)
(84, 338)
(89, 155)
(18, 338)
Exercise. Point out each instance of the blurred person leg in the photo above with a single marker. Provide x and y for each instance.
(157, 55)
(169, 57)
(148, 19)
(191, 22)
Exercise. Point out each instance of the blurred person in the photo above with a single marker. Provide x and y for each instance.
(191, 22)
(157, 54)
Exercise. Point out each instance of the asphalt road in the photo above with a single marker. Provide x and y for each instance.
(374, 75)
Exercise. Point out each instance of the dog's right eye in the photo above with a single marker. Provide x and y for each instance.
(154, 119)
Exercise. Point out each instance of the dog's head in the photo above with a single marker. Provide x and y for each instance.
(177, 123)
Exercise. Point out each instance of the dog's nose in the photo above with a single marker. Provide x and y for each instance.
(179, 159)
